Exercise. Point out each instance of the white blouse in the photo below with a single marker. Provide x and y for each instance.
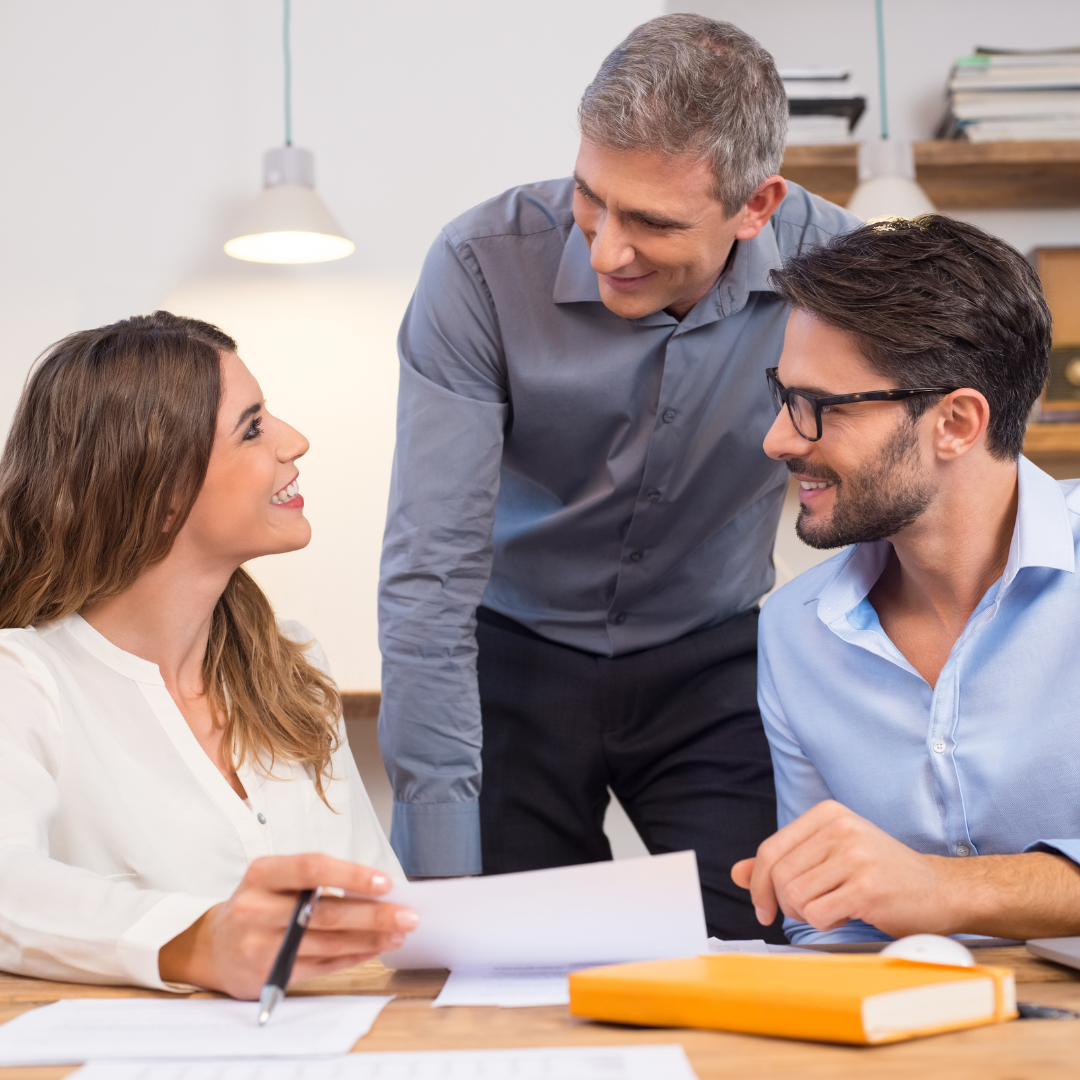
(116, 829)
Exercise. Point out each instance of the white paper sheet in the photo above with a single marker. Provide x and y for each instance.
(662, 1062)
(598, 913)
(71, 1032)
(753, 945)
(514, 987)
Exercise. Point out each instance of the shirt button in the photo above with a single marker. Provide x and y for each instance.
(963, 849)
(619, 619)
(939, 747)
(637, 556)
(262, 817)
(669, 415)
(652, 495)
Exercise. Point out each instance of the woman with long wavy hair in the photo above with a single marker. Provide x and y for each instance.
(173, 763)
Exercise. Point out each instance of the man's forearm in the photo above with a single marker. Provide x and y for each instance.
(830, 866)
(1015, 896)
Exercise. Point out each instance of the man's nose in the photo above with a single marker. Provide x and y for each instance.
(782, 441)
(610, 250)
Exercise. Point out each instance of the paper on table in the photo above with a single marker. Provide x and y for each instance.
(753, 945)
(597, 913)
(514, 987)
(548, 1063)
(74, 1031)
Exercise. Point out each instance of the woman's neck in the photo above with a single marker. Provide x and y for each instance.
(165, 616)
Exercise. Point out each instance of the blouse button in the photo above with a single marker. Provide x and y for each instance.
(939, 747)
(262, 817)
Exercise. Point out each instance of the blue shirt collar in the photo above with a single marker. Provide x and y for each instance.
(576, 281)
(1042, 536)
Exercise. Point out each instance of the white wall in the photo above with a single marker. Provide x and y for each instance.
(134, 135)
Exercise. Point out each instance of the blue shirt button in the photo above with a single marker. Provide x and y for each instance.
(669, 415)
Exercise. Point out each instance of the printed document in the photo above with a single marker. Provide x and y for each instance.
(753, 945)
(73, 1031)
(571, 916)
(663, 1062)
(513, 987)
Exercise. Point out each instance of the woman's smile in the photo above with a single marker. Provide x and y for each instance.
(289, 496)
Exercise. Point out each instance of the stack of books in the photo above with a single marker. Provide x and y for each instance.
(823, 106)
(1014, 95)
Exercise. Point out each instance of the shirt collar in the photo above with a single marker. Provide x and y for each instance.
(101, 648)
(576, 281)
(1042, 536)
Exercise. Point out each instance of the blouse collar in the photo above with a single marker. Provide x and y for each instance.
(101, 648)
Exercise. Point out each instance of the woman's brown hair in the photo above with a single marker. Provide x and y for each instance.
(113, 432)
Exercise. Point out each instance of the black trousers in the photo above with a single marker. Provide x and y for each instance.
(674, 731)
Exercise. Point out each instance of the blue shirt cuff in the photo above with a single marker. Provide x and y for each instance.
(1069, 848)
(437, 839)
(799, 933)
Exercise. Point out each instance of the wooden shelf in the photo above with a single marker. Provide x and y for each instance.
(360, 704)
(1052, 440)
(957, 175)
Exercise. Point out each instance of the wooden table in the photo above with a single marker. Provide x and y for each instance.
(1022, 1049)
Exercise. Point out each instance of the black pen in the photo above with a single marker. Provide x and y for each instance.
(274, 990)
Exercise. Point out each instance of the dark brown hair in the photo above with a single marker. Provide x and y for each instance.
(932, 301)
(113, 431)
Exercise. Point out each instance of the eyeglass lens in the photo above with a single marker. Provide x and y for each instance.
(802, 416)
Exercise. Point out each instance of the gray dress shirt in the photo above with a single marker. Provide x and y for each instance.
(598, 479)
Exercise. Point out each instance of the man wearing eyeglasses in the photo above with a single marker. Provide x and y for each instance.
(921, 689)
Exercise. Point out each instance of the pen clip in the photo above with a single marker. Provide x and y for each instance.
(309, 908)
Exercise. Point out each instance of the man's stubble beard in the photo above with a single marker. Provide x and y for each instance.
(872, 503)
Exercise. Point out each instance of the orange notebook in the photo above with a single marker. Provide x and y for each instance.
(821, 996)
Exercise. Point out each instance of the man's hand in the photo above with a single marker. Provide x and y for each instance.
(233, 945)
(830, 865)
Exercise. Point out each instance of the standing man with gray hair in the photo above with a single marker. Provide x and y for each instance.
(581, 518)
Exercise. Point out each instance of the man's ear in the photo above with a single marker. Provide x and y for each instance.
(961, 419)
(760, 207)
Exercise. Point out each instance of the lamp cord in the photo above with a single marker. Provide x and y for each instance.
(288, 75)
(880, 66)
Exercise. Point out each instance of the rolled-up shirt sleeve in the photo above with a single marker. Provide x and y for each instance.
(59, 921)
(436, 561)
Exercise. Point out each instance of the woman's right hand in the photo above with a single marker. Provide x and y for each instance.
(232, 947)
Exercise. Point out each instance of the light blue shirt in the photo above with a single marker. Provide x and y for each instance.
(987, 762)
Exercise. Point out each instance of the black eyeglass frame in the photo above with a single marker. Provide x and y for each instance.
(781, 396)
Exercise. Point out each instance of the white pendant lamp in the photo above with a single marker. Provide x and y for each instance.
(288, 222)
(887, 187)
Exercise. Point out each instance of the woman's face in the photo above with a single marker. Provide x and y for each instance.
(249, 504)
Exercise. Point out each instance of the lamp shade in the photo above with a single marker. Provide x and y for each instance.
(887, 186)
(288, 222)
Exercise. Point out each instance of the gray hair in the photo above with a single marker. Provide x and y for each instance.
(685, 84)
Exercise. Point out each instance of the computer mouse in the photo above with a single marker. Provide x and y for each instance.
(930, 949)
